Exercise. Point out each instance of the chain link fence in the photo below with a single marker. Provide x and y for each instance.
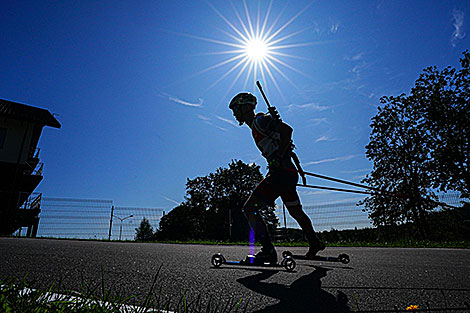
(90, 219)
(346, 215)
(126, 220)
(100, 219)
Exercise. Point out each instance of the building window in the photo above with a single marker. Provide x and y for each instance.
(3, 135)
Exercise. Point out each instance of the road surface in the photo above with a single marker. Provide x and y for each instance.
(375, 279)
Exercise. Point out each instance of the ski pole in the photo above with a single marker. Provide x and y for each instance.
(377, 190)
(336, 189)
(345, 182)
(349, 183)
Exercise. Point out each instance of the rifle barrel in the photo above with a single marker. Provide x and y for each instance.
(262, 93)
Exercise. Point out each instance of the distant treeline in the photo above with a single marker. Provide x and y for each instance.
(446, 226)
(450, 225)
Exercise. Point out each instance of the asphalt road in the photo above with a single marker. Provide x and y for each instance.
(376, 278)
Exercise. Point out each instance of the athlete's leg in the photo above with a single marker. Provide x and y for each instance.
(292, 201)
(261, 197)
(295, 210)
(251, 210)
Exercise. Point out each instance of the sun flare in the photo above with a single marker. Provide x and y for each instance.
(257, 46)
(257, 50)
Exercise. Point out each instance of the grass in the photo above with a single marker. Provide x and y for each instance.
(399, 243)
(403, 243)
(17, 296)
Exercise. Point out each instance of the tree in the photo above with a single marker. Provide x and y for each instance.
(182, 223)
(227, 190)
(400, 153)
(145, 231)
(442, 99)
(418, 143)
(212, 206)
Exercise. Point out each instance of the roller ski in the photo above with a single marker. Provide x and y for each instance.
(267, 257)
(315, 246)
(342, 258)
(288, 263)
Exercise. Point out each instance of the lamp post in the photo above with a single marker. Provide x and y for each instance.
(122, 220)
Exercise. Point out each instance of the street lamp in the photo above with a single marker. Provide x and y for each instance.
(122, 220)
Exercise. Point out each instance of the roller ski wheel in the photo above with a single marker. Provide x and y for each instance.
(344, 258)
(217, 260)
(289, 263)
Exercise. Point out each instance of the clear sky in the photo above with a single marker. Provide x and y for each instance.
(141, 88)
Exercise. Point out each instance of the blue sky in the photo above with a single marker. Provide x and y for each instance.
(141, 88)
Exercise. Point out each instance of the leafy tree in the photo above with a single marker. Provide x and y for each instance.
(145, 231)
(400, 155)
(182, 223)
(442, 99)
(212, 206)
(418, 143)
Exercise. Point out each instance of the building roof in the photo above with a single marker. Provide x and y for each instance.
(27, 113)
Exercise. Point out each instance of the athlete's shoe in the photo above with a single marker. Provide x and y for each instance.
(314, 248)
(267, 255)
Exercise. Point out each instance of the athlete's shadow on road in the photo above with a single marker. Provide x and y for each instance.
(303, 295)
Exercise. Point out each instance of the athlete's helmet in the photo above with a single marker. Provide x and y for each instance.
(241, 99)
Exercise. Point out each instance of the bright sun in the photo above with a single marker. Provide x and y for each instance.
(256, 45)
(256, 50)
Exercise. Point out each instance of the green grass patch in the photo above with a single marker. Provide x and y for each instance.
(398, 243)
(16, 295)
(404, 243)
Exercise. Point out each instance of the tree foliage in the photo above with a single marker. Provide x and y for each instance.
(399, 152)
(145, 231)
(442, 99)
(420, 142)
(213, 206)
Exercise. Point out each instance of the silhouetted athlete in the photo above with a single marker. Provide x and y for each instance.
(274, 139)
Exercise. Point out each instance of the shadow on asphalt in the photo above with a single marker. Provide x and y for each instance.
(303, 295)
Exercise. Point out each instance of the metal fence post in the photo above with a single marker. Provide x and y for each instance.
(285, 221)
(230, 224)
(111, 223)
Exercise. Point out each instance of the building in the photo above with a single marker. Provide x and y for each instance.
(20, 168)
